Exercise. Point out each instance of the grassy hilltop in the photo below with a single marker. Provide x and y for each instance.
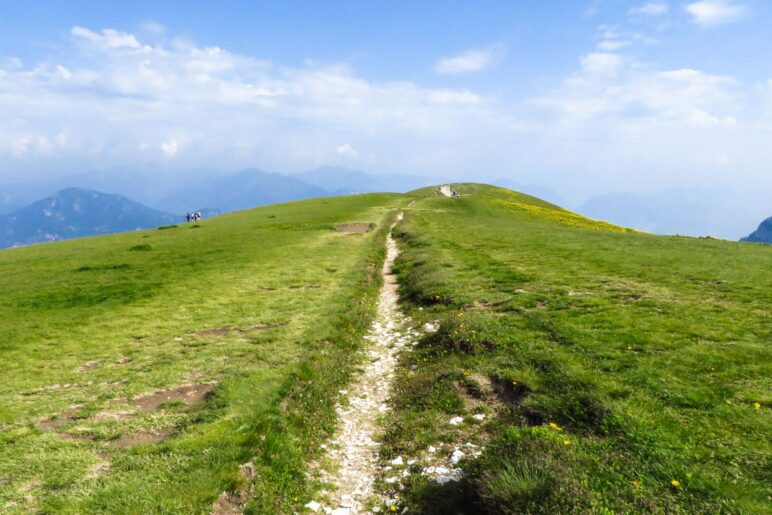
(261, 307)
(619, 371)
(631, 371)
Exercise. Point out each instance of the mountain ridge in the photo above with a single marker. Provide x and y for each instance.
(762, 234)
(77, 212)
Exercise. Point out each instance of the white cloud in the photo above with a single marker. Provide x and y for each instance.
(467, 62)
(711, 13)
(651, 9)
(601, 63)
(108, 38)
(154, 28)
(614, 122)
(347, 150)
(612, 45)
(170, 148)
(225, 107)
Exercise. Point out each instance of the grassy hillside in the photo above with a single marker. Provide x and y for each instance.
(619, 371)
(149, 372)
(141, 370)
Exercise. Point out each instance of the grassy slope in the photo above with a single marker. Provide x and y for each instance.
(144, 295)
(648, 353)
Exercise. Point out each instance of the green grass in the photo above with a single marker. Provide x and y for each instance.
(647, 353)
(624, 361)
(145, 296)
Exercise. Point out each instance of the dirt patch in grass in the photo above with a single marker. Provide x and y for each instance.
(123, 360)
(98, 469)
(64, 417)
(262, 327)
(188, 394)
(354, 228)
(89, 365)
(140, 438)
(232, 503)
(113, 415)
(215, 332)
(223, 331)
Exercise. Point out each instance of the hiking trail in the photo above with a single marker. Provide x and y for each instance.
(353, 450)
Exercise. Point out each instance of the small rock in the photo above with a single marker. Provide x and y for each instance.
(313, 506)
(479, 416)
(456, 457)
(431, 449)
(456, 421)
(397, 461)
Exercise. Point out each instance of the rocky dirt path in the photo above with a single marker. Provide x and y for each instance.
(352, 455)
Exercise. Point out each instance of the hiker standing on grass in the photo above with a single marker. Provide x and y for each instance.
(188, 216)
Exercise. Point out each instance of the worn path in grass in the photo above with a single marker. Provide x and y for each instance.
(352, 454)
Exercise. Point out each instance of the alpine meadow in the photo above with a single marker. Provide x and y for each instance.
(430, 257)
(558, 364)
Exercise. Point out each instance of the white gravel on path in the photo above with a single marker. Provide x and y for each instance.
(353, 449)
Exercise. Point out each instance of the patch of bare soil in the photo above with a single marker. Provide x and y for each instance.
(64, 417)
(113, 415)
(223, 331)
(354, 228)
(189, 394)
(140, 438)
(89, 365)
(262, 327)
(98, 469)
(123, 360)
(232, 503)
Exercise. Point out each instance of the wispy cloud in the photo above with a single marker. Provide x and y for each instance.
(347, 150)
(193, 104)
(467, 62)
(711, 13)
(651, 9)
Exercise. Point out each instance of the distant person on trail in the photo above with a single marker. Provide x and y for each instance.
(188, 216)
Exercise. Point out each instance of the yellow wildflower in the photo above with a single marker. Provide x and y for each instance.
(566, 442)
(728, 401)
(636, 483)
(393, 508)
(555, 426)
(676, 483)
(757, 405)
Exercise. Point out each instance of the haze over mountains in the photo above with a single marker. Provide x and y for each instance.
(121, 200)
(162, 197)
(74, 213)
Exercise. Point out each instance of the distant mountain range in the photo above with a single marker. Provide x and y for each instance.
(763, 234)
(80, 210)
(76, 212)
(697, 211)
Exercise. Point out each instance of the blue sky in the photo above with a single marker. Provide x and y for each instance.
(584, 96)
